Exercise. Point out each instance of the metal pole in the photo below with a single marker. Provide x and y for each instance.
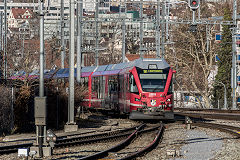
(199, 11)
(96, 43)
(193, 17)
(167, 24)
(225, 94)
(158, 29)
(1, 44)
(163, 30)
(41, 80)
(71, 66)
(234, 73)
(141, 29)
(1, 18)
(5, 39)
(62, 34)
(41, 135)
(123, 33)
(12, 110)
(225, 97)
(23, 39)
(207, 36)
(79, 39)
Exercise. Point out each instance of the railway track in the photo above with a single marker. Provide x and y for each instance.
(207, 110)
(75, 139)
(197, 119)
(235, 131)
(209, 113)
(120, 148)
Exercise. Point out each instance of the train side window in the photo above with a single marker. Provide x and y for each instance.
(86, 81)
(133, 86)
(113, 83)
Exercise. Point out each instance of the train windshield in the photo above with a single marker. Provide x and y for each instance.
(153, 80)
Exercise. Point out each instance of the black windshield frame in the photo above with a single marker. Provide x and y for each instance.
(153, 85)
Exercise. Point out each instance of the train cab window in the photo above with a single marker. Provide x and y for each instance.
(133, 85)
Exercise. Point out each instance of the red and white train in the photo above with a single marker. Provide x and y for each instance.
(143, 88)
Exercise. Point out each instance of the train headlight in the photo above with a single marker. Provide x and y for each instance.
(168, 100)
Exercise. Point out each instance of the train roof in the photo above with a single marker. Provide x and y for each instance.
(146, 63)
(88, 69)
(112, 69)
(141, 63)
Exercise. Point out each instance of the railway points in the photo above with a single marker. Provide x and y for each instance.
(141, 90)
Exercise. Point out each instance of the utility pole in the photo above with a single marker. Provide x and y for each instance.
(234, 52)
(163, 29)
(62, 34)
(207, 36)
(71, 125)
(79, 39)
(41, 147)
(96, 31)
(1, 44)
(42, 133)
(5, 39)
(158, 29)
(167, 19)
(23, 39)
(141, 29)
(1, 37)
(123, 32)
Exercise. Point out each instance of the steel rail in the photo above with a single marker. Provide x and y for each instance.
(207, 110)
(115, 148)
(88, 138)
(224, 128)
(63, 141)
(225, 116)
(149, 147)
(13, 148)
(118, 147)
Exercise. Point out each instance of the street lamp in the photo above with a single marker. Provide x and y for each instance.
(225, 94)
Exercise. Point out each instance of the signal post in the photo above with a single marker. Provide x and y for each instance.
(41, 148)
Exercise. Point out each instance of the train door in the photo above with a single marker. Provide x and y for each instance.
(134, 93)
(126, 93)
(121, 100)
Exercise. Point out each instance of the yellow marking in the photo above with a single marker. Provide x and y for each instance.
(153, 71)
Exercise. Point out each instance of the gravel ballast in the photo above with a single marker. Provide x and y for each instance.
(178, 143)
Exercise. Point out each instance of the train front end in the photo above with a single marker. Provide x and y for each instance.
(152, 91)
